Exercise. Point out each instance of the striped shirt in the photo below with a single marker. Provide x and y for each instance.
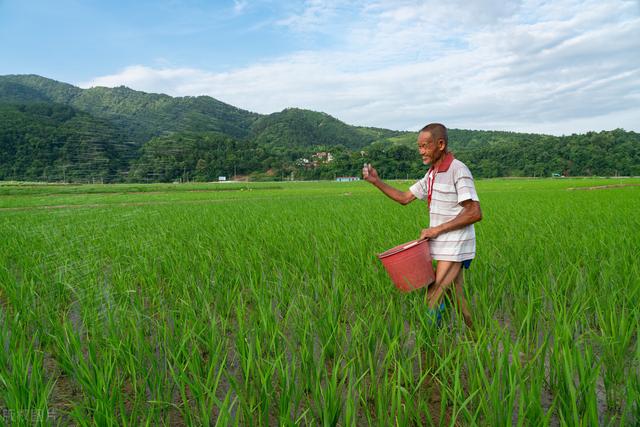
(450, 185)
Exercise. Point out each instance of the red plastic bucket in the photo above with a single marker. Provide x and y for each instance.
(409, 265)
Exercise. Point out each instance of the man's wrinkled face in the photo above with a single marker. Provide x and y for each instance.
(430, 150)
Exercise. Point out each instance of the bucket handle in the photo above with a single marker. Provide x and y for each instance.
(412, 244)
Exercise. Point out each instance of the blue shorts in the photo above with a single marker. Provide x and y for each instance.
(467, 263)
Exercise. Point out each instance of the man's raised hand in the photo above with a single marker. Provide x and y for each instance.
(369, 173)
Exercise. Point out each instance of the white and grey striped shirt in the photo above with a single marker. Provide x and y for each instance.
(453, 185)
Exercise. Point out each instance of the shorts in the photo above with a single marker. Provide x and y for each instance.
(467, 263)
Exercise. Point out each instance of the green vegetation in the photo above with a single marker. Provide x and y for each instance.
(230, 304)
(140, 115)
(199, 157)
(495, 154)
(52, 142)
(51, 131)
(295, 128)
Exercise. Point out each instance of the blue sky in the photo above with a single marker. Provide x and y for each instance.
(550, 67)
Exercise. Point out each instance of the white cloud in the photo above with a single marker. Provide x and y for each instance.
(317, 15)
(239, 6)
(558, 67)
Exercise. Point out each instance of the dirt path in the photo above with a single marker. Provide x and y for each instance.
(120, 204)
(154, 202)
(604, 187)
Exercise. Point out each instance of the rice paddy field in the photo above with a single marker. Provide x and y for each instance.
(265, 304)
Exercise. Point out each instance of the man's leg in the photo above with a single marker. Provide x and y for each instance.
(446, 273)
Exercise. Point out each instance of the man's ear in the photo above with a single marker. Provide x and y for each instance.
(441, 144)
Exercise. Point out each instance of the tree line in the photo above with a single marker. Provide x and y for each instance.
(45, 142)
(51, 131)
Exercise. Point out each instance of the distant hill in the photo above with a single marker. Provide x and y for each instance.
(141, 115)
(53, 131)
(53, 142)
(294, 127)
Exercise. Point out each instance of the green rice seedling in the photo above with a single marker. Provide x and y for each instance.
(525, 318)
(178, 358)
(459, 393)
(308, 364)
(631, 413)
(352, 397)
(405, 363)
(391, 395)
(401, 401)
(578, 402)
(290, 391)
(227, 410)
(147, 361)
(25, 388)
(615, 335)
(94, 367)
(574, 373)
(328, 393)
(258, 370)
(198, 378)
(268, 333)
(531, 387)
(328, 330)
(361, 360)
(136, 376)
(172, 288)
(383, 401)
(247, 359)
(444, 405)
(266, 371)
(493, 374)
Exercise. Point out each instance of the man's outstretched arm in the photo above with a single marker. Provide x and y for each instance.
(371, 175)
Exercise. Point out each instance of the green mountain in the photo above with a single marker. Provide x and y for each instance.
(140, 115)
(45, 141)
(202, 156)
(53, 131)
(294, 127)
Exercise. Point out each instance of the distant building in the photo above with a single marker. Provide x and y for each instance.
(317, 159)
(323, 157)
(304, 162)
(347, 178)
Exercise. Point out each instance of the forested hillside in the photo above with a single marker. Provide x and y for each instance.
(52, 131)
(45, 141)
(296, 128)
(141, 115)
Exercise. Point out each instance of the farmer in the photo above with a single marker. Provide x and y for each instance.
(453, 205)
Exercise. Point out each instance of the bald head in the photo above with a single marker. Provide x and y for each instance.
(437, 131)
